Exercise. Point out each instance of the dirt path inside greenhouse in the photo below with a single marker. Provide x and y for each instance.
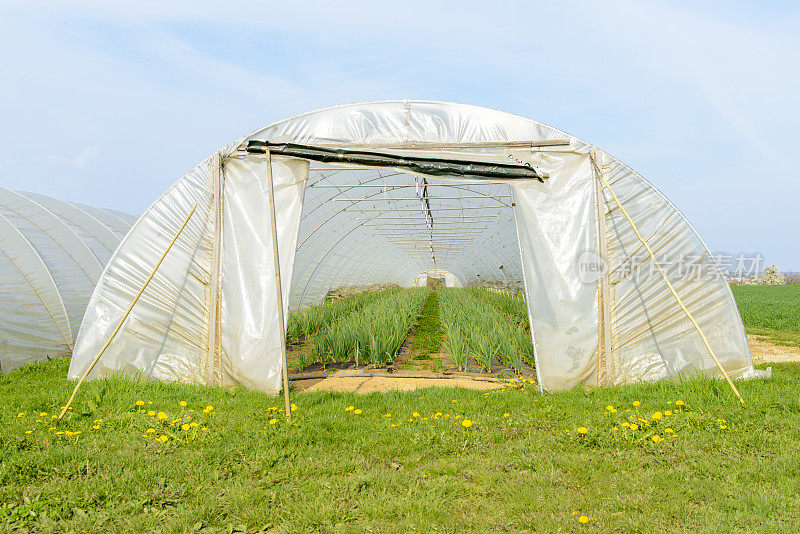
(765, 352)
(380, 384)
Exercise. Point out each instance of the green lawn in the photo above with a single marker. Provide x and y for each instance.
(523, 463)
(771, 311)
(334, 470)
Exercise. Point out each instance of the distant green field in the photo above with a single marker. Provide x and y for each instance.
(771, 311)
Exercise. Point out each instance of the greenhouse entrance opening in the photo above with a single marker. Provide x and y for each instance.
(366, 227)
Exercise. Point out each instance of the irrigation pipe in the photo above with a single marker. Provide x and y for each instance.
(669, 285)
(312, 376)
(127, 312)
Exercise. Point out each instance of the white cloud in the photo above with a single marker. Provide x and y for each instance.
(78, 161)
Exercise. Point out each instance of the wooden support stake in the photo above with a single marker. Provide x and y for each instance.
(278, 290)
(671, 288)
(127, 312)
(605, 355)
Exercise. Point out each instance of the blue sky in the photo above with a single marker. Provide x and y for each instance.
(109, 103)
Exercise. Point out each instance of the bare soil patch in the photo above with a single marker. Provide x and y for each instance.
(765, 352)
(357, 384)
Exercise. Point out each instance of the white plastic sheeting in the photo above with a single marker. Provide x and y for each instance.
(209, 316)
(52, 253)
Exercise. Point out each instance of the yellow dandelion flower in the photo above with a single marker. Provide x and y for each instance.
(679, 403)
(150, 430)
(54, 416)
(458, 416)
(723, 427)
(634, 427)
(393, 425)
(613, 428)
(454, 400)
(506, 415)
(96, 427)
(626, 423)
(204, 428)
(721, 421)
(582, 430)
(151, 413)
(59, 433)
(667, 413)
(209, 408)
(43, 414)
(609, 407)
(38, 420)
(574, 513)
(357, 411)
(388, 415)
(162, 416)
(350, 408)
(162, 438)
(139, 403)
(656, 416)
(466, 423)
(415, 414)
(293, 407)
(193, 424)
(656, 438)
(29, 431)
(583, 519)
(185, 426)
(438, 414)
(183, 403)
(635, 403)
(21, 414)
(273, 421)
(668, 431)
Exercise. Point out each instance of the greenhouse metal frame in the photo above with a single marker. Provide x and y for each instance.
(52, 253)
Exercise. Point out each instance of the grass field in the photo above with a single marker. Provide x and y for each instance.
(521, 465)
(771, 311)
(438, 459)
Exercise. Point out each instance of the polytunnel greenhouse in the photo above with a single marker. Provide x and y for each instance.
(52, 253)
(381, 193)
